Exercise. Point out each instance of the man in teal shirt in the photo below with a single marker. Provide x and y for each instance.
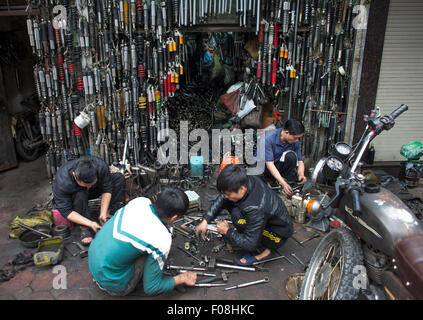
(134, 245)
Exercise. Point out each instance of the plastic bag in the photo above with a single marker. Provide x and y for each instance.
(44, 216)
(412, 150)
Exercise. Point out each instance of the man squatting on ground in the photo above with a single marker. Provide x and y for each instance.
(260, 220)
(282, 152)
(80, 180)
(134, 245)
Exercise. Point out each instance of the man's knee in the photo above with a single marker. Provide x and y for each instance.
(290, 158)
(80, 201)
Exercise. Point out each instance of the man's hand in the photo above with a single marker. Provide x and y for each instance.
(95, 226)
(302, 179)
(189, 278)
(201, 228)
(104, 217)
(222, 227)
(287, 188)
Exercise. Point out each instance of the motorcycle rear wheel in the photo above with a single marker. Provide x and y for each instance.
(22, 142)
(332, 268)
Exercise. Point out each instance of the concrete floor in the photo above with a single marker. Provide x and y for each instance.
(24, 187)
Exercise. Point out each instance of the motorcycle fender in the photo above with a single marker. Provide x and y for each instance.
(384, 219)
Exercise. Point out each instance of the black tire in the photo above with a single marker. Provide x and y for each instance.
(25, 153)
(315, 284)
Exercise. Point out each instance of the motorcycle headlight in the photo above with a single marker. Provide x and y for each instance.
(317, 175)
(342, 150)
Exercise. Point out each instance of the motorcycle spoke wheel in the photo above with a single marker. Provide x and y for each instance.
(330, 272)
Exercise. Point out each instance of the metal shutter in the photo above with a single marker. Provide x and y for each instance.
(401, 78)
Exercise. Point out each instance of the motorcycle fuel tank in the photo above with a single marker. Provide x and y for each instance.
(383, 221)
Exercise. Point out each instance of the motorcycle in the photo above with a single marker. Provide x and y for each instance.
(376, 252)
(26, 130)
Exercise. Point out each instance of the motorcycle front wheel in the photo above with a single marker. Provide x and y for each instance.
(332, 270)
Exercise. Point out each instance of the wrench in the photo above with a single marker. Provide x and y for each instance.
(298, 259)
(242, 285)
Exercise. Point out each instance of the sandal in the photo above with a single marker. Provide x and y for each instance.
(86, 233)
(250, 259)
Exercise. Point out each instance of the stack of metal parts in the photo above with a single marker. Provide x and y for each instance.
(104, 73)
(194, 12)
(305, 58)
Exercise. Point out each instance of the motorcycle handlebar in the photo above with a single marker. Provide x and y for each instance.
(396, 113)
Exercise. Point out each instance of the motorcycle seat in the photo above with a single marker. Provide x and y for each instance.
(408, 255)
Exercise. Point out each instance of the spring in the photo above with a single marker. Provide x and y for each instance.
(275, 35)
(75, 103)
(142, 102)
(141, 71)
(77, 53)
(77, 130)
(71, 68)
(37, 84)
(139, 42)
(80, 83)
(57, 36)
(175, 10)
(69, 41)
(61, 72)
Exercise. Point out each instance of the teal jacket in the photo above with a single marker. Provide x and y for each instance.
(134, 230)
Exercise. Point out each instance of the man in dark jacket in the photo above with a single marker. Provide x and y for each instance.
(80, 180)
(260, 219)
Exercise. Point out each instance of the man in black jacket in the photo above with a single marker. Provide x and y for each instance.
(260, 219)
(80, 180)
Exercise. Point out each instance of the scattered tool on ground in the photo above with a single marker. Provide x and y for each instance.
(313, 236)
(200, 262)
(223, 277)
(272, 259)
(242, 285)
(209, 284)
(213, 264)
(84, 251)
(298, 259)
(35, 230)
